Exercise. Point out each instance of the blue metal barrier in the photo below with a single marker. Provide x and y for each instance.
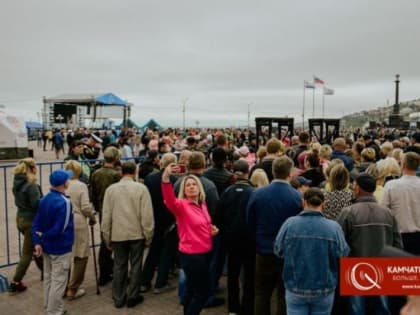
(10, 250)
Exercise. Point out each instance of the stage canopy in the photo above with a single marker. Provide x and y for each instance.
(33, 125)
(87, 99)
(90, 101)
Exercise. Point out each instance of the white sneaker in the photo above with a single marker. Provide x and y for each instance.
(79, 293)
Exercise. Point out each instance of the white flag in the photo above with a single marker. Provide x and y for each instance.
(328, 91)
(308, 85)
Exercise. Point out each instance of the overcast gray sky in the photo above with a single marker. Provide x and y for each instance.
(221, 55)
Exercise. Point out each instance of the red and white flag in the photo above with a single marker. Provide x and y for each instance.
(318, 80)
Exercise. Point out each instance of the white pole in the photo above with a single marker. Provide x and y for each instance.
(313, 103)
(303, 107)
(248, 115)
(323, 104)
(183, 112)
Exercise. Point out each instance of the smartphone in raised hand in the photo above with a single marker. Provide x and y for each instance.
(182, 168)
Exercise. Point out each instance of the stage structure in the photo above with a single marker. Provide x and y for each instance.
(324, 130)
(73, 110)
(266, 127)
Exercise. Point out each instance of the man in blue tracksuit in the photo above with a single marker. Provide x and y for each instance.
(53, 235)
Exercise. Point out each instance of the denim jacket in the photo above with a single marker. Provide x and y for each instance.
(311, 246)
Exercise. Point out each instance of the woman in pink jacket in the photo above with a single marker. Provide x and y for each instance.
(195, 232)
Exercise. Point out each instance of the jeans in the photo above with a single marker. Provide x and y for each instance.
(182, 286)
(196, 268)
(125, 251)
(310, 305)
(268, 269)
(358, 305)
(161, 254)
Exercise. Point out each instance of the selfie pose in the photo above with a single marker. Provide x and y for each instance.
(195, 233)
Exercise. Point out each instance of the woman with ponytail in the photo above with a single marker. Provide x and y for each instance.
(27, 194)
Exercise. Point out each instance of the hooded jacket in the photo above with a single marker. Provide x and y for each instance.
(27, 196)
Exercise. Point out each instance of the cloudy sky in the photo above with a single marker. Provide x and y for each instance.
(223, 57)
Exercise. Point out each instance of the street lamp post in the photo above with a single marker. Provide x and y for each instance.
(183, 112)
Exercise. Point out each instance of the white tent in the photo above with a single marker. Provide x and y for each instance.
(13, 137)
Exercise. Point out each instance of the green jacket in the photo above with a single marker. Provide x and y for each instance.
(100, 180)
(27, 196)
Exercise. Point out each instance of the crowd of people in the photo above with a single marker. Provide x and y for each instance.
(204, 203)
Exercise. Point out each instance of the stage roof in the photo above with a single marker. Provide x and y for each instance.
(87, 99)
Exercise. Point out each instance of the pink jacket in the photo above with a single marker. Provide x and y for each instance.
(193, 221)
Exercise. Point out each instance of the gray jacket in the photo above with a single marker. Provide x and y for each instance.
(368, 227)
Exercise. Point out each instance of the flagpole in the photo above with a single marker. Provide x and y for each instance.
(313, 102)
(303, 106)
(323, 103)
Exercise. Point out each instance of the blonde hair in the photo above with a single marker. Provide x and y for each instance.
(261, 152)
(315, 146)
(389, 167)
(259, 178)
(333, 163)
(368, 155)
(75, 167)
(339, 177)
(201, 193)
(184, 157)
(387, 148)
(398, 154)
(167, 159)
(374, 171)
(325, 151)
(26, 167)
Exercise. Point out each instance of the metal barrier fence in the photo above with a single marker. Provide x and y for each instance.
(10, 238)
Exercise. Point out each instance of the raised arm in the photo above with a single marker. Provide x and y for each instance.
(171, 202)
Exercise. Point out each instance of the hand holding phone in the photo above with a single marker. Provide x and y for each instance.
(182, 168)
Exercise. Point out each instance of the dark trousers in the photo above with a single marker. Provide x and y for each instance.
(241, 259)
(411, 244)
(216, 263)
(162, 253)
(104, 259)
(268, 269)
(24, 226)
(122, 289)
(196, 268)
